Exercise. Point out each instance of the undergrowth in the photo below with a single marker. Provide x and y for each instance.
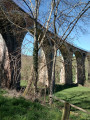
(21, 109)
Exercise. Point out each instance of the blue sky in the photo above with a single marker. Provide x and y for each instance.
(27, 45)
(82, 41)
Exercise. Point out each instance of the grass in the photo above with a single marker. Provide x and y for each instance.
(23, 83)
(79, 96)
(21, 109)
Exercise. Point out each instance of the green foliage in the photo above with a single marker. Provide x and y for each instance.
(26, 68)
(21, 109)
(2, 92)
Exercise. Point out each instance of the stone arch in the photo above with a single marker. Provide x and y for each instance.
(88, 57)
(45, 64)
(4, 64)
(80, 67)
(14, 59)
(78, 54)
(86, 68)
(13, 38)
(14, 35)
(67, 56)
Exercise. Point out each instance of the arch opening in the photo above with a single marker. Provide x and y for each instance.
(26, 58)
(60, 68)
(74, 69)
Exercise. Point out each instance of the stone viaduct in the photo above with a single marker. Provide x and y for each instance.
(14, 25)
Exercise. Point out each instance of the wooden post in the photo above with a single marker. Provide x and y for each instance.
(45, 90)
(50, 100)
(66, 111)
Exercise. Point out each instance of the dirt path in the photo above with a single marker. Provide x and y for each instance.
(15, 94)
(12, 93)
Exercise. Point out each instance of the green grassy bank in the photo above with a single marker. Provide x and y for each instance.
(79, 96)
(21, 109)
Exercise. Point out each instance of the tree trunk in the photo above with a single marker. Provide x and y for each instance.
(52, 84)
(54, 58)
(35, 50)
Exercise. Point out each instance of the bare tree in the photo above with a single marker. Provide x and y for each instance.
(65, 18)
(59, 22)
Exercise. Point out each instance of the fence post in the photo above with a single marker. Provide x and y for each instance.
(66, 111)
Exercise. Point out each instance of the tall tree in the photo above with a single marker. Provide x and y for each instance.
(35, 50)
